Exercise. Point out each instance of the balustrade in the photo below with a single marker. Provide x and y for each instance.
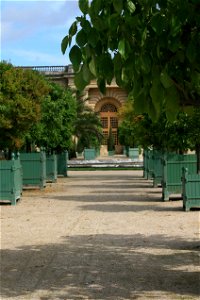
(48, 69)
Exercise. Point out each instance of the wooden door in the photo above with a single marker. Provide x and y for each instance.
(108, 114)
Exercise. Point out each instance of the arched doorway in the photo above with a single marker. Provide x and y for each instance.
(109, 119)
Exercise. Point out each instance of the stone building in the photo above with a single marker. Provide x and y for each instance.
(106, 105)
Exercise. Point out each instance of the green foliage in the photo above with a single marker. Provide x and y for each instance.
(58, 113)
(21, 94)
(127, 134)
(126, 130)
(163, 134)
(87, 126)
(150, 47)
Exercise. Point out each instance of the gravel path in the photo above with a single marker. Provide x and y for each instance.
(99, 235)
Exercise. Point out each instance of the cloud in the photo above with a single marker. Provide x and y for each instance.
(21, 19)
(32, 31)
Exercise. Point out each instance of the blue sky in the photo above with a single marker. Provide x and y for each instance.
(32, 31)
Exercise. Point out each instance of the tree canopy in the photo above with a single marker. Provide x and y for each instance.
(150, 47)
(21, 95)
(58, 113)
(87, 126)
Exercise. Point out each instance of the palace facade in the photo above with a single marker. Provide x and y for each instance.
(106, 105)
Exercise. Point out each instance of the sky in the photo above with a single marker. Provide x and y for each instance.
(32, 31)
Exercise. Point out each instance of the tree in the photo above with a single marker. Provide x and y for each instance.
(162, 134)
(87, 126)
(21, 94)
(149, 47)
(127, 125)
(194, 134)
(58, 113)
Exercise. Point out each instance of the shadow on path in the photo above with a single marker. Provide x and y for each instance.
(102, 267)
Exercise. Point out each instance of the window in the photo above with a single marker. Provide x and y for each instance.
(114, 122)
(108, 107)
(104, 121)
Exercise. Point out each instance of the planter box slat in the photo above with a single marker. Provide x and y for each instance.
(157, 167)
(34, 169)
(133, 153)
(11, 180)
(172, 172)
(51, 168)
(89, 154)
(190, 190)
(62, 161)
(150, 164)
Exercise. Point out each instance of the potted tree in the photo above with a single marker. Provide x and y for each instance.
(22, 92)
(87, 129)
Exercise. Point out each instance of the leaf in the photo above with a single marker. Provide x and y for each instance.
(81, 38)
(121, 48)
(102, 85)
(191, 52)
(83, 5)
(156, 93)
(75, 56)
(175, 26)
(131, 6)
(117, 61)
(64, 44)
(92, 66)
(165, 80)
(172, 103)
(173, 43)
(152, 111)
(73, 28)
(158, 23)
(106, 66)
(80, 83)
(144, 36)
(140, 103)
(137, 87)
(93, 37)
(118, 5)
(95, 7)
(145, 63)
(87, 76)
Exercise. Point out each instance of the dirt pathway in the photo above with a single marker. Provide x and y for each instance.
(99, 235)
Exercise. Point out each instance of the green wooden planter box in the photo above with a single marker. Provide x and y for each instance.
(145, 163)
(133, 153)
(89, 154)
(34, 169)
(51, 167)
(10, 180)
(97, 152)
(62, 161)
(150, 164)
(172, 172)
(157, 167)
(126, 150)
(111, 152)
(190, 189)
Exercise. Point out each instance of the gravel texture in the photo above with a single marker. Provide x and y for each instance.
(99, 235)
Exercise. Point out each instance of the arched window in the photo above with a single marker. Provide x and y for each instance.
(108, 107)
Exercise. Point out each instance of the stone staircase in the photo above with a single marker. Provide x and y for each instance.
(116, 161)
